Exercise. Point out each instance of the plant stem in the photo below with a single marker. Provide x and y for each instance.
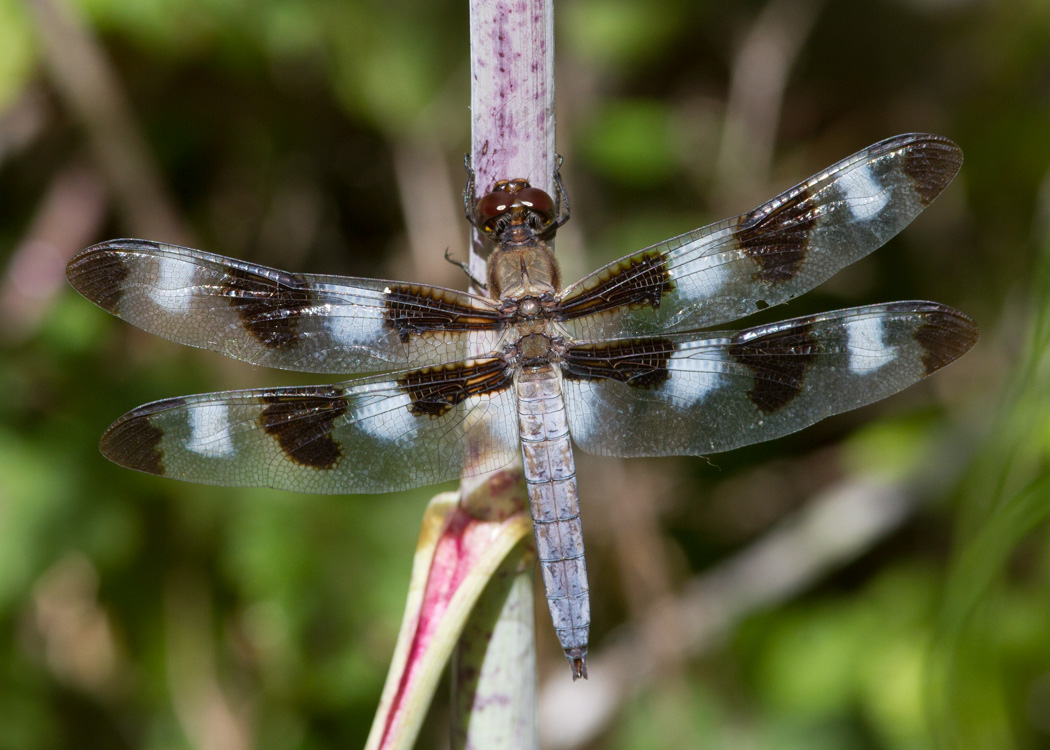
(512, 136)
(511, 98)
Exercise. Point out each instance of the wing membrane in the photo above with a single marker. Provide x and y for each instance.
(772, 254)
(369, 435)
(310, 323)
(692, 395)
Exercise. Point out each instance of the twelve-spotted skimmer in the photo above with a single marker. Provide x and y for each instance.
(617, 360)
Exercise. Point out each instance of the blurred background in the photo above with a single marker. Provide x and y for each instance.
(879, 581)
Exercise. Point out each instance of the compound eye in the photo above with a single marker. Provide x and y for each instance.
(491, 207)
(538, 201)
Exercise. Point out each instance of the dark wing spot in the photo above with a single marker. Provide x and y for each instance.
(637, 281)
(931, 165)
(778, 241)
(133, 441)
(640, 363)
(779, 360)
(436, 390)
(413, 309)
(99, 276)
(301, 423)
(268, 307)
(944, 337)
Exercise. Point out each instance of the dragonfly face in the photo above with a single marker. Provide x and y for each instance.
(617, 363)
(515, 205)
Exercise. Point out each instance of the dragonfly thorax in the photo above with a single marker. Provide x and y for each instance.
(529, 308)
(536, 350)
(521, 270)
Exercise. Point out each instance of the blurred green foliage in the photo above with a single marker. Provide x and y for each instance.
(139, 612)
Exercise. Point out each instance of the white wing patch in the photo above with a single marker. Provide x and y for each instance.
(867, 349)
(363, 327)
(210, 430)
(694, 379)
(866, 198)
(386, 418)
(174, 278)
(706, 274)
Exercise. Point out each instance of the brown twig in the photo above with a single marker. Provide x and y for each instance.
(68, 218)
(90, 88)
(759, 78)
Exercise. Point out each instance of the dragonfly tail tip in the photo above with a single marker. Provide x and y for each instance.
(578, 664)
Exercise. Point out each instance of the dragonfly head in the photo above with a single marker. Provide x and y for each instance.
(514, 204)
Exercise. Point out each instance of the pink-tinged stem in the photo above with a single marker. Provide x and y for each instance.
(474, 556)
(458, 554)
(512, 136)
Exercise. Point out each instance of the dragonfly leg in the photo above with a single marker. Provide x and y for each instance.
(468, 194)
(562, 196)
(466, 269)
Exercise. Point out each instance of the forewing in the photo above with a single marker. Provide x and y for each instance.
(693, 395)
(375, 434)
(776, 252)
(310, 323)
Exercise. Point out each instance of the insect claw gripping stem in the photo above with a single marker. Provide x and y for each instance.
(562, 195)
(468, 191)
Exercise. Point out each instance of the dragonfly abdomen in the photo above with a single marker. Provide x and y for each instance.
(551, 476)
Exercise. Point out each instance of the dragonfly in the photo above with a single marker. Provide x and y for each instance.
(620, 363)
